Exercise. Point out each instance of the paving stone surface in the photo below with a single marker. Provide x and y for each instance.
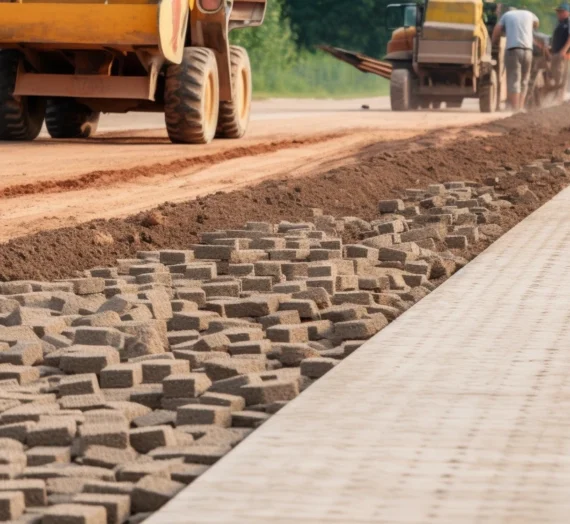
(456, 412)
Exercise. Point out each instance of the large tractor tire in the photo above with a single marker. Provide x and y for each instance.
(488, 93)
(192, 97)
(21, 117)
(401, 91)
(67, 118)
(234, 115)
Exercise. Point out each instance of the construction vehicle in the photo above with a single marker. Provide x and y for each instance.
(66, 61)
(440, 51)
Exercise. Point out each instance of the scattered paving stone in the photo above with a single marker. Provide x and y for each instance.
(151, 371)
(12, 505)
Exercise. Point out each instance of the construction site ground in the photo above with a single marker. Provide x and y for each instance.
(130, 164)
(53, 195)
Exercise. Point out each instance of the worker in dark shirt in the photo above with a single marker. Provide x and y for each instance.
(560, 45)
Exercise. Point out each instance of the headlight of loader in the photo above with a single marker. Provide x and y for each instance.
(210, 6)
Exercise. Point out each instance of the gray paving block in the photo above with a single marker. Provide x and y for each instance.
(151, 493)
(117, 506)
(185, 385)
(75, 514)
(203, 414)
(124, 375)
(12, 505)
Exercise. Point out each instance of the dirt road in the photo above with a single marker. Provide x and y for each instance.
(130, 165)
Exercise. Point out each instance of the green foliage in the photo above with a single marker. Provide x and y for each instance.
(281, 68)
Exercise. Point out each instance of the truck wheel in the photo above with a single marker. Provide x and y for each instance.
(401, 95)
(192, 97)
(21, 117)
(67, 118)
(488, 94)
(234, 115)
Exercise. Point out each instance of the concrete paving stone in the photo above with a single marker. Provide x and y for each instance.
(110, 488)
(172, 257)
(155, 418)
(270, 391)
(75, 514)
(197, 271)
(74, 471)
(152, 493)
(390, 206)
(231, 386)
(360, 251)
(243, 334)
(456, 241)
(363, 298)
(40, 455)
(280, 317)
(211, 252)
(234, 402)
(118, 507)
(317, 367)
(379, 242)
(253, 306)
(155, 371)
(294, 271)
(58, 431)
(288, 255)
(179, 337)
(319, 329)
(108, 458)
(83, 402)
(34, 491)
(204, 455)
(253, 347)
(187, 473)
(16, 431)
(212, 342)
(261, 284)
(87, 286)
(414, 280)
(23, 374)
(179, 306)
(306, 308)
(108, 435)
(203, 414)
(391, 313)
(97, 336)
(88, 359)
(192, 294)
(86, 384)
(291, 355)
(326, 283)
(185, 385)
(217, 370)
(356, 329)
(22, 354)
(241, 270)
(12, 505)
(471, 232)
(172, 404)
(195, 320)
(198, 358)
(268, 269)
(290, 287)
(288, 333)
(222, 289)
(249, 419)
(124, 375)
(149, 395)
(343, 313)
(148, 438)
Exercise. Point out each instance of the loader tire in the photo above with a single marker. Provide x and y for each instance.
(401, 92)
(21, 117)
(488, 94)
(67, 118)
(192, 97)
(233, 118)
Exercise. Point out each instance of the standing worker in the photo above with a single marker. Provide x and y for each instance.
(519, 26)
(560, 46)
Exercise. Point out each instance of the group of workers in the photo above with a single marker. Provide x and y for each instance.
(519, 26)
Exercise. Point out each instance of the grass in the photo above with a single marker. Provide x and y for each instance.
(316, 76)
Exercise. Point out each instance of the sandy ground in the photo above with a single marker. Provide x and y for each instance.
(131, 166)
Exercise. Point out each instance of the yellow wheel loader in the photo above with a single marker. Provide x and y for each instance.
(440, 52)
(66, 61)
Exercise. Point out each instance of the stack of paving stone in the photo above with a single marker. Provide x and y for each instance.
(119, 388)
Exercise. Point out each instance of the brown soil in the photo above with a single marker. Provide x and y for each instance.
(349, 190)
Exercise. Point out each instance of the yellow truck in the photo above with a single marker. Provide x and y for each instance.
(66, 61)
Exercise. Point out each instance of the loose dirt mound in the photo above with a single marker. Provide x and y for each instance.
(351, 190)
